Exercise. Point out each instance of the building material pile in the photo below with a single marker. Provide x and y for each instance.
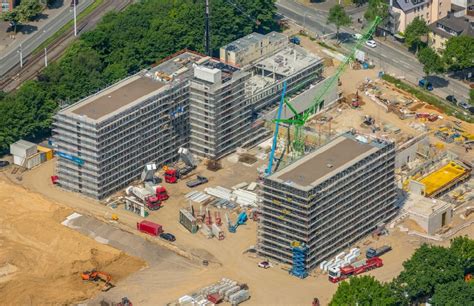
(342, 259)
(225, 290)
(197, 196)
(242, 197)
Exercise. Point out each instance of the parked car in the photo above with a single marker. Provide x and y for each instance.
(264, 265)
(295, 40)
(428, 84)
(464, 105)
(168, 236)
(356, 36)
(371, 43)
(471, 110)
(198, 181)
(4, 163)
(452, 99)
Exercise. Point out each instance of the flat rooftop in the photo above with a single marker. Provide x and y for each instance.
(244, 42)
(117, 97)
(134, 89)
(288, 61)
(326, 161)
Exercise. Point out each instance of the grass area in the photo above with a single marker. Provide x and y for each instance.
(425, 96)
(325, 45)
(68, 26)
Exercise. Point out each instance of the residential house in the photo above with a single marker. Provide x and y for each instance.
(402, 12)
(447, 27)
(7, 5)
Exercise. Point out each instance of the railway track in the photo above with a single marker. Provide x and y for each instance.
(34, 63)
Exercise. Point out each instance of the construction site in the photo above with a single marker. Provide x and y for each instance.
(263, 177)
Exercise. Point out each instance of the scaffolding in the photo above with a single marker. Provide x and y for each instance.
(299, 259)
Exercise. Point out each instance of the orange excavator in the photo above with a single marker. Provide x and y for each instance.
(95, 276)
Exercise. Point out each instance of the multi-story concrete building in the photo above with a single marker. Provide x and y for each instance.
(104, 141)
(189, 100)
(249, 48)
(402, 12)
(328, 199)
(219, 112)
(7, 5)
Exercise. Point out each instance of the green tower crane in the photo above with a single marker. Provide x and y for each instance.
(299, 119)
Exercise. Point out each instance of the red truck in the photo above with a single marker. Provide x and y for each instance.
(149, 228)
(338, 274)
(171, 176)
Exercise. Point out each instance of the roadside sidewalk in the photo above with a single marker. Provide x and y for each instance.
(9, 40)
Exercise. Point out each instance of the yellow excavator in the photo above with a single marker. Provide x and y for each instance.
(95, 276)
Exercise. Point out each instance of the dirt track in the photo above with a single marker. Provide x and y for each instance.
(41, 260)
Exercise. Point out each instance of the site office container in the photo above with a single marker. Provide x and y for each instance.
(149, 228)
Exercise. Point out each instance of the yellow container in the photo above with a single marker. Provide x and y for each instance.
(47, 151)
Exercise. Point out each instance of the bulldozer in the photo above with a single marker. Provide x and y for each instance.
(95, 276)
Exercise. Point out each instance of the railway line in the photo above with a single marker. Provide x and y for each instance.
(34, 63)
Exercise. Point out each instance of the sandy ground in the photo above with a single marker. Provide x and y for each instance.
(172, 277)
(41, 260)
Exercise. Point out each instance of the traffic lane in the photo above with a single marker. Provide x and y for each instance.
(317, 25)
(12, 58)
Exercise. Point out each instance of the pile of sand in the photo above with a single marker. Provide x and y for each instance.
(41, 260)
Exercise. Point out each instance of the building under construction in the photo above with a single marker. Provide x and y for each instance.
(188, 100)
(328, 199)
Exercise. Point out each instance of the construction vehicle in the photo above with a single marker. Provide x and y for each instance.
(158, 190)
(355, 103)
(172, 174)
(315, 302)
(196, 182)
(241, 219)
(359, 267)
(149, 199)
(300, 118)
(371, 252)
(95, 276)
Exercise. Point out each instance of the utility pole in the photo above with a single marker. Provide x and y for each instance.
(21, 56)
(75, 18)
(207, 34)
(45, 57)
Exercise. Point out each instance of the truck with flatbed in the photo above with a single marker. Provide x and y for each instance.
(359, 267)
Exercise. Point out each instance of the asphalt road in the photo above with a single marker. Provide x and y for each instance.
(11, 59)
(391, 59)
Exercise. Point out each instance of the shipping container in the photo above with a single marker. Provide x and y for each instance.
(188, 221)
(47, 151)
(23, 148)
(33, 161)
(149, 228)
(18, 160)
(43, 157)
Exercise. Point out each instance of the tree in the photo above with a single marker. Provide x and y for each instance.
(414, 33)
(338, 17)
(376, 8)
(429, 266)
(454, 293)
(463, 247)
(12, 17)
(459, 52)
(28, 9)
(365, 290)
(121, 44)
(359, 3)
(432, 62)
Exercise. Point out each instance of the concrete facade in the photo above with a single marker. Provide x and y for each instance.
(249, 48)
(328, 199)
(404, 11)
(431, 215)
